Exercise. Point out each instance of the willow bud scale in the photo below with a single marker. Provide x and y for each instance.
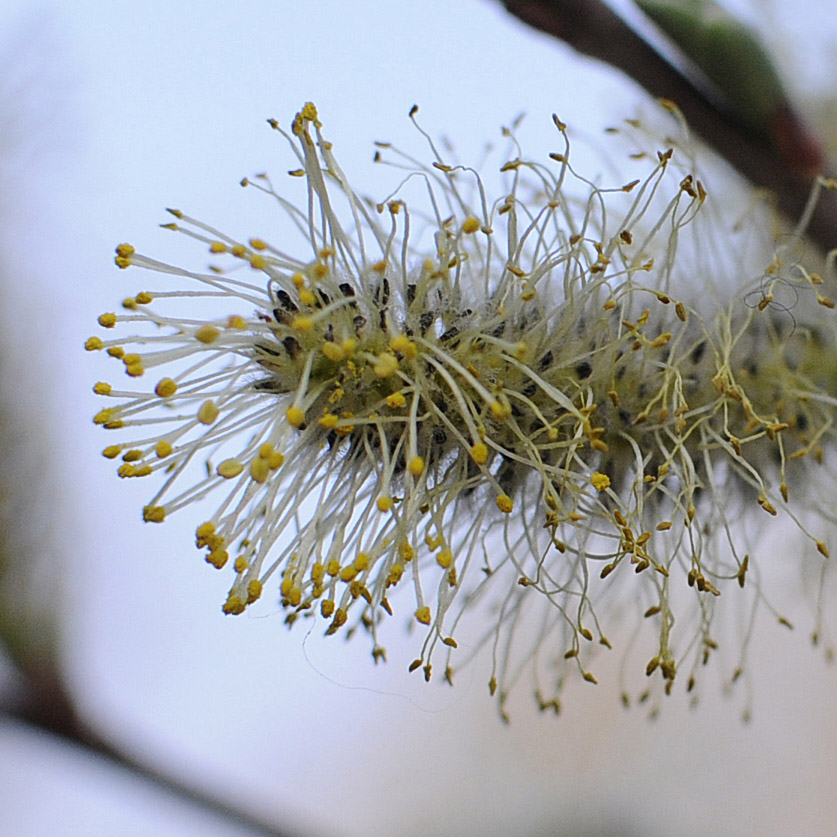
(520, 423)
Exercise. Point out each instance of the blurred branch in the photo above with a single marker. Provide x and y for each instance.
(46, 705)
(787, 167)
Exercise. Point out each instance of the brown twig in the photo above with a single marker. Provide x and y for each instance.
(591, 27)
(45, 705)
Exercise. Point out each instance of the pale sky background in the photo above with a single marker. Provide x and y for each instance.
(127, 108)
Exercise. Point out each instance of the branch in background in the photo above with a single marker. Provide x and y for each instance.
(787, 166)
(46, 706)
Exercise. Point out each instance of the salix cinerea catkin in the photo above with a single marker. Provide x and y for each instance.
(512, 419)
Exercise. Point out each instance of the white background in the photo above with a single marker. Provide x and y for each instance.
(121, 109)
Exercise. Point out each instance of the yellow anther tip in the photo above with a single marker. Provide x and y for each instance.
(229, 469)
(479, 453)
(165, 388)
(207, 334)
(208, 412)
(386, 365)
(295, 416)
(302, 324)
(423, 615)
(600, 481)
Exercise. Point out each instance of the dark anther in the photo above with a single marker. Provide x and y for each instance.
(285, 307)
(452, 332)
(425, 321)
(381, 293)
(583, 370)
(292, 347)
(546, 361)
(697, 353)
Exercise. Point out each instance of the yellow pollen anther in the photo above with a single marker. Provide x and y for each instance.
(236, 321)
(385, 504)
(104, 416)
(329, 421)
(258, 262)
(471, 225)
(386, 365)
(229, 468)
(403, 345)
(423, 615)
(217, 247)
(207, 334)
(153, 514)
(238, 250)
(233, 605)
(600, 481)
(302, 324)
(111, 451)
(259, 470)
(93, 344)
(295, 416)
(333, 352)
(395, 400)
(102, 388)
(445, 559)
(116, 351)
(479, 453)
(500, 411)
(306, 296)
(125, 250)
(218, 558)
(416, 466)
(361, 562)
(241, 565)
(165, 388)
(135, 370)
(208, 412)
(505, 503)
(163, 449)
(107, 320)
(327, 608)
(258, 244)
(132, 455)
(254, 590)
